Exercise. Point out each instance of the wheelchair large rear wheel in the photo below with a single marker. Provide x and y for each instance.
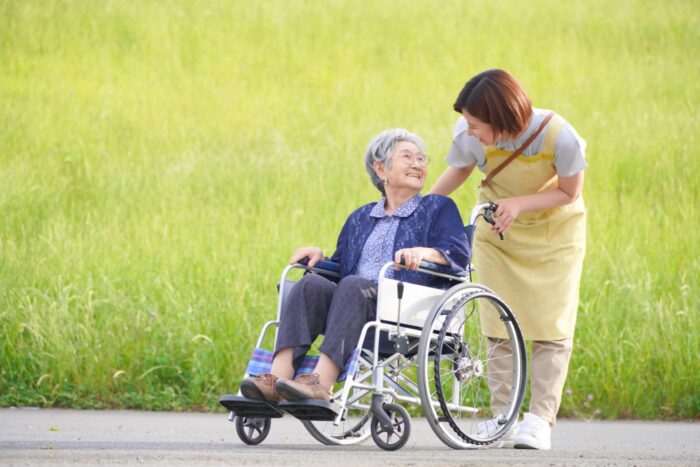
(456, 361)
(354, 428)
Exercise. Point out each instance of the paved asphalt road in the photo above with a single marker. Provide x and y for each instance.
(34, 436)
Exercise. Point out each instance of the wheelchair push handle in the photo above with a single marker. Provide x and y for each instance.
(488, 216)
(489, 209)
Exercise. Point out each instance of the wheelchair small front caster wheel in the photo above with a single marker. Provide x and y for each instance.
(252, 430)
(391, 439)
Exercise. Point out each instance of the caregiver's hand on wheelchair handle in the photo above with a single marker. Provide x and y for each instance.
(314, 254)
(507, 211)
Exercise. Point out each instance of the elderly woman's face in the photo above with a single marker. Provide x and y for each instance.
(408, 167)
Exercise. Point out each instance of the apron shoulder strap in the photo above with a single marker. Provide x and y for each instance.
(517, 152)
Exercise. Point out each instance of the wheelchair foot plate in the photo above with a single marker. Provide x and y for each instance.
(244, 407)
(311, 409)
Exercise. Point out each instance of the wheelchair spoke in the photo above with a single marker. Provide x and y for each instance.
(462, 373)
(354, 427)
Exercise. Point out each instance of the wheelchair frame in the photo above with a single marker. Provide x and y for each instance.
(383, 378)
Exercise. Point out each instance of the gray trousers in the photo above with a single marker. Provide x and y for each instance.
(317, 306)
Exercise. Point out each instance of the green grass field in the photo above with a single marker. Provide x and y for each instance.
(159, 162)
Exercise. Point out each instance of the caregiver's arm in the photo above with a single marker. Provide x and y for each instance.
(451, 179)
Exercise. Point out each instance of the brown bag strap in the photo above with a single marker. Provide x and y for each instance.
(517, 152)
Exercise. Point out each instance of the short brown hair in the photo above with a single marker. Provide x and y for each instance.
(495, 97)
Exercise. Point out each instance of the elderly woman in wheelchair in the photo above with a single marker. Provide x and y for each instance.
(402, 224)
(401, 321)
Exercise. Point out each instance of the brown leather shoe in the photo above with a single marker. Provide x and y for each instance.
(303, 387)
(261, 387)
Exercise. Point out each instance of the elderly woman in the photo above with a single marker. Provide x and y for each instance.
(401, 224)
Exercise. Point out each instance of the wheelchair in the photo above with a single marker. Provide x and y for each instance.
(426, 348)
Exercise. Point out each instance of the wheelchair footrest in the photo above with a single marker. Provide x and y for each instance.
(244, 407)
(311, 409)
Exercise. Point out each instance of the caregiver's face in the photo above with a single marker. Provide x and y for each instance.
(409, 167)
(478, 129)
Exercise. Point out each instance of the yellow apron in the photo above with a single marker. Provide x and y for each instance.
(537, 268)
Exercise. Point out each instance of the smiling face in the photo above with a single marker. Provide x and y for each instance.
(406, 172)
(483, 131)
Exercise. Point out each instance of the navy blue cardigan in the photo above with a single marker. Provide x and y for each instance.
(435, 223)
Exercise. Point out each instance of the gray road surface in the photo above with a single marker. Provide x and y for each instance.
(34, 436)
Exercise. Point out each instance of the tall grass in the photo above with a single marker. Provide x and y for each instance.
(160, 161)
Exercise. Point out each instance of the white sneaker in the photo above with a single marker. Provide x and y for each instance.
(534, 433)
(490, 427)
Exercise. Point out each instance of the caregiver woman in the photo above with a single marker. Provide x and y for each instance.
(537, 268)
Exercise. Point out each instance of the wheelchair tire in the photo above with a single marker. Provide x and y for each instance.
(346, 434)
(396, 437)
(251, 430)
(354, 427)
(453, 362)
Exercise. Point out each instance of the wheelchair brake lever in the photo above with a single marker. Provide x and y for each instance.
(401, 343)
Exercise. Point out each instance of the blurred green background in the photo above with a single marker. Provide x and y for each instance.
(160, 160)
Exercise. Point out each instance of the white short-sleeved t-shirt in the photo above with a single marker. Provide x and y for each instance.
(569, 151)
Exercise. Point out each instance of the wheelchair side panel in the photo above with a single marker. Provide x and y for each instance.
(415, 305)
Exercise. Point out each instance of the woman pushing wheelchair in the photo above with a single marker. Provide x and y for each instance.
(533, 161)
(402, 225)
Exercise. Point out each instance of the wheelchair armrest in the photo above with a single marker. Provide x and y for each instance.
(439, 269)
(428, 266)
(322, 266)
(327, 266)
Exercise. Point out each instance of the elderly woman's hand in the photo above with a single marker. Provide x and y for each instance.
(314, 254)
(412, 256)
